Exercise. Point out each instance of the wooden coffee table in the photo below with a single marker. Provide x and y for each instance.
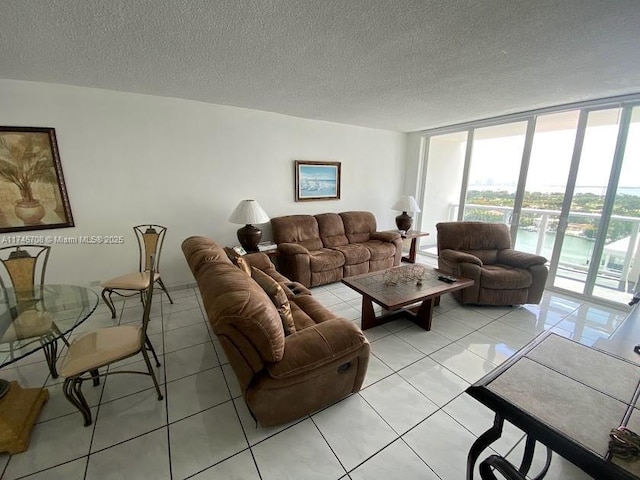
(405, 292)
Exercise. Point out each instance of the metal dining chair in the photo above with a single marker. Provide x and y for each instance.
(22, 278)
(150, 239)
(90, 352)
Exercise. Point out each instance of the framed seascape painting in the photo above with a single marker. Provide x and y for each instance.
(317, 180)
(33, 195)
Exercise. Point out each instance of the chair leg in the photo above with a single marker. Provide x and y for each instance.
(72, 389)
(57, 330)
(50, 349)
(150, 347)
(152, 373)
(109, 302)
(95, 377)
(164, 289)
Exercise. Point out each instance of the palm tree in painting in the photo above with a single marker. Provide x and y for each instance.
(25, 159)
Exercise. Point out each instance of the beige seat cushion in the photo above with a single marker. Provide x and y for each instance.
(99, 348)
(131, 281)
(278, 297)
(29, 324)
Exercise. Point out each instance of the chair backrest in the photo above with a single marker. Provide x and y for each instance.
(150, 238)
(148, 299)
(24, 269)
(469, 236)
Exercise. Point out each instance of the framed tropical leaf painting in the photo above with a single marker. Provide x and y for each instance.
(33, 195)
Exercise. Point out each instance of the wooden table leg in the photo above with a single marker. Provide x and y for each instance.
(425, 314)
(19, 410)
(368, 315)
(411, 258)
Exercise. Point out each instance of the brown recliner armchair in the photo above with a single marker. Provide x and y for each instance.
(482, 252)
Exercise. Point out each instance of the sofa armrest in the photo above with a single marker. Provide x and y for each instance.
(514, 258)
(454, 256)
(292, 249)
(258, 260)
(324, 343)
(385, 236)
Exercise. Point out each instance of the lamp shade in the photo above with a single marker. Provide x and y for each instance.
(248, 212)
(406, 204)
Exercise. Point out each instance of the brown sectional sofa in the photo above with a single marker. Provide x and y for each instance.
(282, 377)
(324, 248)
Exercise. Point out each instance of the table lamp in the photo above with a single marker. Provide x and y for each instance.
(406, 204)
(249, 212)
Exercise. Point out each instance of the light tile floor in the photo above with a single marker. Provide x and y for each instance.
(412, 419)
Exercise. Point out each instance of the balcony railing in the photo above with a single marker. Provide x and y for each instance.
(617, 266)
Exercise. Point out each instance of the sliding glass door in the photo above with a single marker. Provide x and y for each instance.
(579, 232)
(546, 182)
(494, 170)
(619, 267)
(567, 183)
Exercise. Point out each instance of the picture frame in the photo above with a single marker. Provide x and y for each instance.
(317, 180)
(33, 194)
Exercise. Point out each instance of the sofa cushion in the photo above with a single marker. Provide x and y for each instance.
(243, 265)
(489, 256)
(469, 236)
(300, 318)
(300, 229)
(200, 252)
(354, 253)
(238, 260)
(331, 230)
(294, 289)
(358, 226)
(325, 259)
(314, 309)
(379, 250)
(236, 304)
(278, 297)
(502, 277)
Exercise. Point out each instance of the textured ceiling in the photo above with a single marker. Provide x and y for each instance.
(395, 64)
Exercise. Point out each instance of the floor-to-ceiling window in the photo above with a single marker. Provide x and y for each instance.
(566, 181)
(494, 170)
(443, 181)
(545, 187)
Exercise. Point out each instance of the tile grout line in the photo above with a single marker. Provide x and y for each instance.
(166, 389)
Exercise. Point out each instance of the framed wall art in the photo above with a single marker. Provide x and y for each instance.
(317, 180)
(33, 195)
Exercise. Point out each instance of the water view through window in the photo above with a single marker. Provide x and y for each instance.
(549, 178)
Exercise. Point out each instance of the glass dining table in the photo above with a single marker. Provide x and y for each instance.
(31, 321)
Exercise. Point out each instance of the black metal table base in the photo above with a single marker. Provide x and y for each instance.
(493, 434)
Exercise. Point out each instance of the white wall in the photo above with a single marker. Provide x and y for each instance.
(130, 159)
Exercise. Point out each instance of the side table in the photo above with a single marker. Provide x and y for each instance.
(413, 235)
